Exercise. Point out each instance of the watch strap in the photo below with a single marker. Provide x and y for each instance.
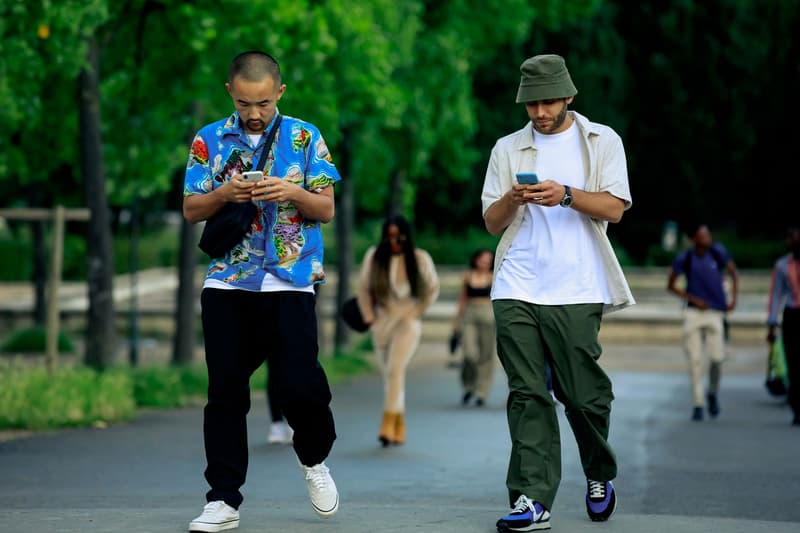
(567, 200)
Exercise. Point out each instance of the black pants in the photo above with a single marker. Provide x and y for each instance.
(790, 331)
(242, 329)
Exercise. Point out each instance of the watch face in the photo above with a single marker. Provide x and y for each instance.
(567, 201)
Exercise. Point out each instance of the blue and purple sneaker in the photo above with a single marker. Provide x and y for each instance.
(601, 500)
(528, 515)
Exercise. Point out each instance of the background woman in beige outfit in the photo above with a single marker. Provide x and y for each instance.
(398, 282)
(475, 321)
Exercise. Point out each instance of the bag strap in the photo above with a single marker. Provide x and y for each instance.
(268, 144)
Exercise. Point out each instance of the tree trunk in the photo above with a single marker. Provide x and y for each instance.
(185, 316)
(183, 343)
(345, 215)
(396, 193)
(39, 274)
(100, 338)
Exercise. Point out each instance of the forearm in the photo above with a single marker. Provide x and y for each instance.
(199, 207)
(734, 290)
(427, 299)
(774, 306)
(598, 205)
(672, 286)
(316, 205)
(364, 289)
(459, 313)
(500, 214)
(365, 304)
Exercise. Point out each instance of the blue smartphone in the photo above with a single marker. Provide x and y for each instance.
(527, 178)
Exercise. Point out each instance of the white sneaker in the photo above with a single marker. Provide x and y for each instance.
(321, 489)
(217, 516)
(280, 433)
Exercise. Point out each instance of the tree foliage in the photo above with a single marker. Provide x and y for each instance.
(700, 92)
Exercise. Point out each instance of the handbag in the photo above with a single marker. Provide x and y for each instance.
(776, 381)
(226, 228)
(351, 314)
(455, 341)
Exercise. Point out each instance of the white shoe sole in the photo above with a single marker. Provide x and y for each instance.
(206, 527)
(329, 513)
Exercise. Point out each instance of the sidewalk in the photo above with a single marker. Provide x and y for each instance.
(734, 474)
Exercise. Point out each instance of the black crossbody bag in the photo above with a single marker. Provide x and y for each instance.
(226, 228)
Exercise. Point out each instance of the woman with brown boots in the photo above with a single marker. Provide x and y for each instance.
(397, 284)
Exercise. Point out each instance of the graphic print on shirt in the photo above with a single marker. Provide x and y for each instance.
(322, 151)
(287, 234)
(281, 241)
(301, 137)
(199, 152)
(240, 274)
(239, 160)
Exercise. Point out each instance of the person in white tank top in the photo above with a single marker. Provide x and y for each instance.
(555, 273)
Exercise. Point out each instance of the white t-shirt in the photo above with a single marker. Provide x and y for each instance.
(270, 283)
(254, 138)
(554, 258)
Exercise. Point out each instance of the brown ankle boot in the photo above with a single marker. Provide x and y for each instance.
(387, 433)
(399, 428)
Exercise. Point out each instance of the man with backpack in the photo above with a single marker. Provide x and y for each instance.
(704, 267)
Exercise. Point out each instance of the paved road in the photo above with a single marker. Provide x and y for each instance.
(737, 473)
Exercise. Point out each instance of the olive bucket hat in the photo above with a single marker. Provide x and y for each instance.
(544, 77)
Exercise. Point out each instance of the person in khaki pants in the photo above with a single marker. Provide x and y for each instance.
(397, 284)
(704, 267)
(474, 320)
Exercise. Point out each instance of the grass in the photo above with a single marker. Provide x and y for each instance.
(30, 398)
(77, 396)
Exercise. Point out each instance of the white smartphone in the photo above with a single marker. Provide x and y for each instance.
(252, 176)
(527, 178)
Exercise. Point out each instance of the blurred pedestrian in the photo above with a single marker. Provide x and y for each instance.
(279, 430)
(474, 322)
(704, 266)
(555, 274)
(397, 284)
(258, 297)
(784, 300)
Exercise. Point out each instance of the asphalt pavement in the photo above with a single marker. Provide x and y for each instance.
(739, 472)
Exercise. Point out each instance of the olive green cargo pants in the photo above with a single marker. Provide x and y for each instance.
(566, 337)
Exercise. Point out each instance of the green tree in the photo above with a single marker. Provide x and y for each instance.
(45, 44)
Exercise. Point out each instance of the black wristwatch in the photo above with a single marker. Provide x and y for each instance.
(567, 200)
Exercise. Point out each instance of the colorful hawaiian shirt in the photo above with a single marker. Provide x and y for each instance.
(280, 241)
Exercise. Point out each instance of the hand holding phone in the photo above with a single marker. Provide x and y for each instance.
(527, 178)
(252, 176)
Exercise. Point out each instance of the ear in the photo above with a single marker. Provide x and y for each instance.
(228, 88)
(281, 91)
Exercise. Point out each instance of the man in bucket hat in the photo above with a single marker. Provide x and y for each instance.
(551, 188)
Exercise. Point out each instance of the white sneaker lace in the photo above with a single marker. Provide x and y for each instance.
(522, 505)
(214, 506)
(597, 489)
(318, 476)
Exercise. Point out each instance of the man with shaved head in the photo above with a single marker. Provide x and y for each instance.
(258, 296)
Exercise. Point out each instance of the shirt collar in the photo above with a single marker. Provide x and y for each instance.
(586, 128)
